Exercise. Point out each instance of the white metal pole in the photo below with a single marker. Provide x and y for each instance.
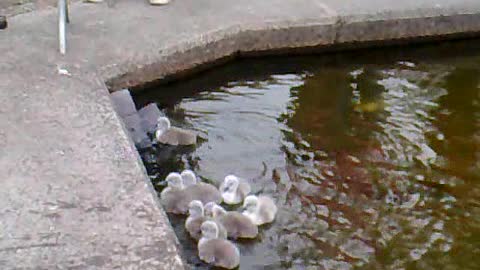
(62, 8)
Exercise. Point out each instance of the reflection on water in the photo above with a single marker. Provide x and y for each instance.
(374, 160)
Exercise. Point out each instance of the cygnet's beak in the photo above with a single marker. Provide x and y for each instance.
(161, 184)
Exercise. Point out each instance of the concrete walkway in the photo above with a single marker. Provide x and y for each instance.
(74, 192)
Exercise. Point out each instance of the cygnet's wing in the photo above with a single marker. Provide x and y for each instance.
(239, 226)
(178, 136)
(168, 137)
(223, 252)
(222, 185)
(175, 201)
(244, 188)
(204, 192)
(192, 225)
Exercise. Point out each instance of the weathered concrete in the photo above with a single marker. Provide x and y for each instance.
(74, 193)
(149, 115)
(15, 7)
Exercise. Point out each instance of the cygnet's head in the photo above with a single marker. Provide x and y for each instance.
(218, 211)
(209, 229)
(208, 209)
(163, 124)
(189, 178)
(174, 180)
(195, 208)
(230, 184)
(250, 203)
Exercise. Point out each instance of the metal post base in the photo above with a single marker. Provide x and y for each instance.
(3, 22)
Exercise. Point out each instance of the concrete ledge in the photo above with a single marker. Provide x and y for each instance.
(74, 192)
(330, 30)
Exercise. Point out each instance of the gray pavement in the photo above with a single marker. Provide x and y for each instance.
(15, 7)
(74, 192)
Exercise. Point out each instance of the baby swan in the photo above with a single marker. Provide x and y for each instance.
(234, 189)
(173, 196)
(197, 216)
(215, 251)
(170, 196)
(208, 209)
(188, 178)
(260, 210)
(167, 134)
(199, 191)
(237, 225)
(195, 219)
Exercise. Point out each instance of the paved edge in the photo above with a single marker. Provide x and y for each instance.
(284, 37)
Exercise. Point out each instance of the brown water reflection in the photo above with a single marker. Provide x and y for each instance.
(372, 157)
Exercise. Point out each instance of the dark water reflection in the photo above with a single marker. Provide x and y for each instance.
(373, 157)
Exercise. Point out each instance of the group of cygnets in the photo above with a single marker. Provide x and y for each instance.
(210, 223)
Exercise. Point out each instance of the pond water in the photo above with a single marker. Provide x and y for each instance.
(373, 157)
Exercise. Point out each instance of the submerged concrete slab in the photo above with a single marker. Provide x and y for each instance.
(123, 103)
(149, 115)
(74, 192)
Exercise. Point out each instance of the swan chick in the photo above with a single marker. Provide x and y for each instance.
(208, 209)
(208, 213)
(167, 134)
(173, 197)
(200, 191)
(189, 178)
(236, 224)
(215, 251)
(260, 210)
(195, 219)
(234, 189)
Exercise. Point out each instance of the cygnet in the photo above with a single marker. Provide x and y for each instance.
(167, 134)
(234, 189)
(237, 225)
(215, 251)
(260, 210)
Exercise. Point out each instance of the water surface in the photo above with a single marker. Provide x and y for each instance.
(373, 157)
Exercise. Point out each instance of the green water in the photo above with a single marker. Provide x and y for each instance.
(373, 157)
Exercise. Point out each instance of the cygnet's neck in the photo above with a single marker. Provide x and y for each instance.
(189, 182)
(252, 216)
(251, 210)
(163, 125)
(196, 214)
(202, 240)
(230, 196)
(176, 185)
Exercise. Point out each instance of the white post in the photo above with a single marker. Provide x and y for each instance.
(62, 8)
